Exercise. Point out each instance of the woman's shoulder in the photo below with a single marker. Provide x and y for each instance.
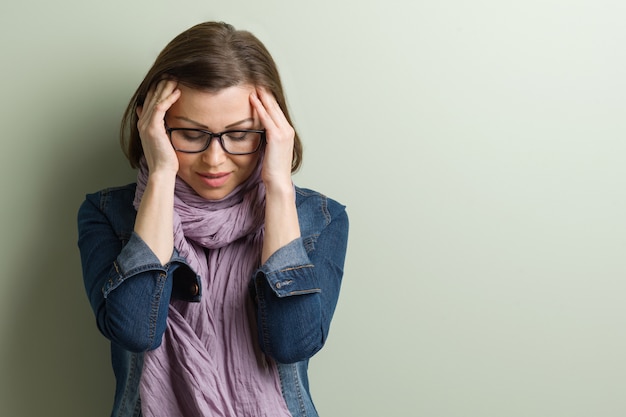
(316, 207)
(122, 194)
(112, 206)
(113, 203)
(304, 195)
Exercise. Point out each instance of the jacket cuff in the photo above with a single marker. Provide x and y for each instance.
(289, 271)
(135, 257)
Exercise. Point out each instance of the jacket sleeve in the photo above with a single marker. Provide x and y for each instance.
(296, 290)
(128, 288)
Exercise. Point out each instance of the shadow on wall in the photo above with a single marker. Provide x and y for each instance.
(57, 360)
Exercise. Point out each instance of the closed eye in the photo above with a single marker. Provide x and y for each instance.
(192, 135)
(238, 135)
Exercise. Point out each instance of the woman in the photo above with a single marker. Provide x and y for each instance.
(214, 277)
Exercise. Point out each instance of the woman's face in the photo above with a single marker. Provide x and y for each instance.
(213, 173)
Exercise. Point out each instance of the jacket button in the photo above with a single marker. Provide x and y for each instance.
(195, 289)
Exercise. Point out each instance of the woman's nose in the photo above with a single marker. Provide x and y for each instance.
(214, 154)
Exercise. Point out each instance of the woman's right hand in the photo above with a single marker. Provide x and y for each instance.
(156, 210)
(157, 149)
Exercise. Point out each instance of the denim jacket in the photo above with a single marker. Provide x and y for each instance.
(295, 291)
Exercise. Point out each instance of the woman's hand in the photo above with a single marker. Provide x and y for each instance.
(279, 137)
(281, 216)
(158, 150)
(154, 222)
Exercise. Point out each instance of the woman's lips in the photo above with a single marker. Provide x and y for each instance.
(214, 180)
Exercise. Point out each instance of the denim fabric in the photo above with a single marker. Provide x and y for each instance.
(295, 291)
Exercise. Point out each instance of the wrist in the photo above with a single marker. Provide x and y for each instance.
(283, 188)
(162, 177)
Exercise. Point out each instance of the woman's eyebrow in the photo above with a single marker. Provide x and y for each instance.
(191, 121)
(249, 119)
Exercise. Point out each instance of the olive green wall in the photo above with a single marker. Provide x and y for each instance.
(479, 147)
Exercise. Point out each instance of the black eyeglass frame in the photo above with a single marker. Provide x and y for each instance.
(212, 135)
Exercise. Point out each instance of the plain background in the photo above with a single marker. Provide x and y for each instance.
(479, 146)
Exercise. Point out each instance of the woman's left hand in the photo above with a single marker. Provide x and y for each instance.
(279, 140)
(281, 216)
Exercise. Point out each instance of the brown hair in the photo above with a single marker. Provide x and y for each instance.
(209, 56)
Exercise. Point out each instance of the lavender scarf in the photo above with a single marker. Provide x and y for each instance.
(209, 362)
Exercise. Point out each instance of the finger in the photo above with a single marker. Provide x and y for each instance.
(266, 120)
(159, 99)
(267, 98)
(149, 99)
(270, 113)
(271, 106)
(155, 93)
(168, 97)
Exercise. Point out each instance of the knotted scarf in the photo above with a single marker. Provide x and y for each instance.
(209, 362)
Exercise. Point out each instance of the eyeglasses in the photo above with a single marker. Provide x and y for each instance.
(234, 142)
